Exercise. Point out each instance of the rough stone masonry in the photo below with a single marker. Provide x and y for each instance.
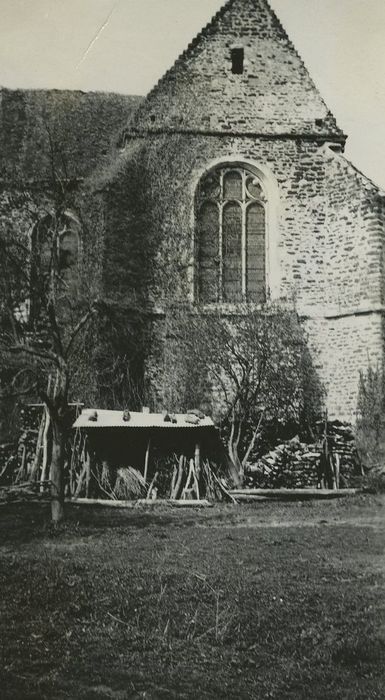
(239, 99)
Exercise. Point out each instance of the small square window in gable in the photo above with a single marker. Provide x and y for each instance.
(237, 60)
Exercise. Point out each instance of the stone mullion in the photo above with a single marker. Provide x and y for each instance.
(220, 291)
(244, 242)
(221, 204)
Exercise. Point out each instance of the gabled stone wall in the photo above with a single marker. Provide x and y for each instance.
(325, 232)
(273, 95)
(326, 242)
(325, 221)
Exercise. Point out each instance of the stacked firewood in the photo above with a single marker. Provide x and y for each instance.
(296, 464)
(291, 464)
(343, 447)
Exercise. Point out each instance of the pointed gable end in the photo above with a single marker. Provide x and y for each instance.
(241, 75)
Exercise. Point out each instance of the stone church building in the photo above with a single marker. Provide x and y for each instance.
(248, 195)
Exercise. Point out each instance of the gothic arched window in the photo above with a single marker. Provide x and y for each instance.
(231, 236)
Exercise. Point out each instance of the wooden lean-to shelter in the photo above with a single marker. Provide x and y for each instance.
(136, 455)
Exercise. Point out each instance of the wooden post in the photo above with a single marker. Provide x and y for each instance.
(88, 474)
(198, 459)
(36, 463)
(80, 481)
(56, 476)
(44, 467)
(337, 471)
(178, 482)
(150, 490)
(186, 493)
(147, 459)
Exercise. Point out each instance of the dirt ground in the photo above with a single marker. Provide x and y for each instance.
(269, 600)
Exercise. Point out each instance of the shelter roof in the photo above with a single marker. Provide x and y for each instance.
(115, 419)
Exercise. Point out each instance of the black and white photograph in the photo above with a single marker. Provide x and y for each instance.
(192, 349)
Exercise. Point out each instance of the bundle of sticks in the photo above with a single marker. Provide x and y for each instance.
(194, 479)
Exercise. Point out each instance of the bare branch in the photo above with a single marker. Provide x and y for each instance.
(34, 352)
(55, 328)
(253, 440)
(78, 328)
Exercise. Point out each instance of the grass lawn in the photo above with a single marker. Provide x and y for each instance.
(261, 601)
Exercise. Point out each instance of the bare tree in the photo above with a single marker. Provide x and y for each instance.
(41, 335)
(253, 367)
(45, 309)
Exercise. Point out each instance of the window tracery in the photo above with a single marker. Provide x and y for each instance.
(231, 236)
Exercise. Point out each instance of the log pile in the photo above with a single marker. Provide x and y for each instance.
(295, 464)
(290, 465)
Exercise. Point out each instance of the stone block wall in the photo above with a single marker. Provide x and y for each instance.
(325, 230)
(354, 238)
(274, 93)
(326, 240)
(327, 226)
(342, 347)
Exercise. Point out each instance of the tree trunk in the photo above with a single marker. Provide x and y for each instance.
(235, 466)
(237, 470)
(57, 472)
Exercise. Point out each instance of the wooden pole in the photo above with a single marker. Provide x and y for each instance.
(88, 474)
(36, 463)
(197, 473)
(176, 489)
(337, 470)
(190, 478)
(147, 459)
(45, 449)
(150, 490)
(197, 459)
(80, 481)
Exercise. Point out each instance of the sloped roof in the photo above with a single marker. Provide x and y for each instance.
(83, 127)
(114, 419)
(275, 95)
